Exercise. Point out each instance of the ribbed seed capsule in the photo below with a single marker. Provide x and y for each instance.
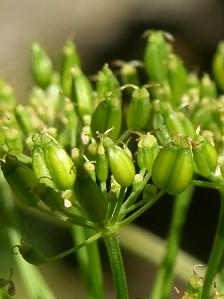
(107, 83)
(82, 93)
(177, 77)
(147, 151)
(21, 179)
(173, 169)
(90, 196)
(31, 254)
(120, 163)
(139, 106)
(70, 58)
(218, 65)
(155, 56)
(101, 164)
(205, 156)
(51, 161)
(107, 115)
(41, 66)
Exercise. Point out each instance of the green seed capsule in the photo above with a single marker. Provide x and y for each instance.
(107, 115)
(41, 66)
(177, 77)
(21, 179)
(147, 151)
(139, 106)
(101, 164)
(70, 58)
(120, 163)
(218, 65)
(155, 56)
(51, 161)
(31, 254)
(90, 197)
(49, 196)
(107, 83)
(205, 156)
(7, 97)
(129, 74)
(208, 87)
(82, 93)
(173, 169)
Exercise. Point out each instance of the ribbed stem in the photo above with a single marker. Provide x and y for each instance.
(164, 278)
(117, 266)
(216, 253)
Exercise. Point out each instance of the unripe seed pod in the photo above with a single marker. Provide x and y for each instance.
(208, 87)
(90, 196)
(129, 74)
(188, 127)
(121, 165)
(107, 83)
(107, 115)
(173, 169)
(218, 65)
(147, 151)
(50, 160)
(49, 196)
(7, 96)
(41, 66)
(149, 191)
(82, 92)
(177, 77)
(31, 254)
(70, 58)
(101, 164)
(21, 179)
(155, 56)
(139, 106)
(205, 156)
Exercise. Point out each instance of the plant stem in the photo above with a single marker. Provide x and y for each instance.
(35, 285)
(164, 278)
(118, 205)
(205, 184)
(216, 253)
(124, 136)
(89, 263)
(116, 264)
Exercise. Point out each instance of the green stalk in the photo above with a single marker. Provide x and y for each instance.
(117, 266)
(89, 262)
(216, 253)
(164, 278)
(35, 285)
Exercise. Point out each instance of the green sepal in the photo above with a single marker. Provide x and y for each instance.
(107, 115)
(139, 106)
(120, 163)
(41, 66)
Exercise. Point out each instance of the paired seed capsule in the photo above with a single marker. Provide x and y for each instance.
(51, 163)
(218, 65)
(120, 163)
(173, 168)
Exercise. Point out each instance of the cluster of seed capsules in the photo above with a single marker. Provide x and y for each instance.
(94, 153)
